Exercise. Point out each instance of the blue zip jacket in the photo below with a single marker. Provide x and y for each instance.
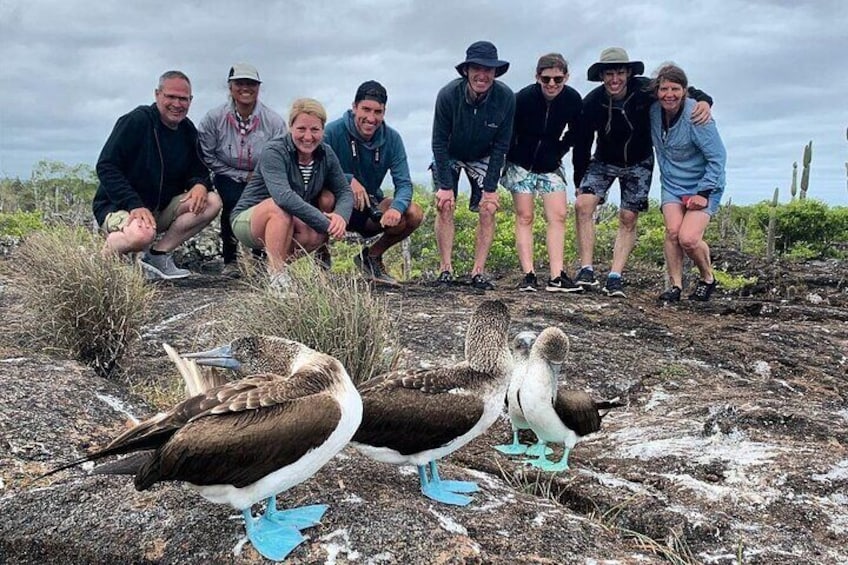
(130, 165)
(469, 131)
(384, 152)
(691, 158)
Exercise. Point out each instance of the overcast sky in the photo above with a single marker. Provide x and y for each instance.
(776, 69)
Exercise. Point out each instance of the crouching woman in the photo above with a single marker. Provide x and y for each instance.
(691, 160)
(298, 196)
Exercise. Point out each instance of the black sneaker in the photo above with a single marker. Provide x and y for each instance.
(562, 284)
(671, 295)
(703, 291)
(480, 282)
(372, 268)
(615, 287)
(445, 278)
(586, 278)
(529, 284)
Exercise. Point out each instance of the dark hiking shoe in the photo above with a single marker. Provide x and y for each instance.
(480, 282)
(586, 278)
(671, 295)
(372, 269)
(529, 284)
(445, 279)
(615, 287)
(703, 291)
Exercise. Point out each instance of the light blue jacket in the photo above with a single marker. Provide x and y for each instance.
(691, 158)
(384, 152)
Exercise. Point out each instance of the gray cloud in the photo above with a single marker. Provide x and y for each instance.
(71, 68)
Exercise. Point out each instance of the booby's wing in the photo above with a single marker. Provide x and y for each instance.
(413, 411)
(235, 433)
(577, 411)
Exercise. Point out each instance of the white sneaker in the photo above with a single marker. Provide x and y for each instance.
(162, 266)
(281, 284)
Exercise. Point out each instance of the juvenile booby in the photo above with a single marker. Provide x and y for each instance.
(563, 416)
(418, 417)
(248, 440)
(521, 345)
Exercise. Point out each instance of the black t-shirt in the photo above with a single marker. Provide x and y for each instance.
(176, 159)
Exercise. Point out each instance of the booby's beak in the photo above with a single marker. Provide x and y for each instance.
(219, 357)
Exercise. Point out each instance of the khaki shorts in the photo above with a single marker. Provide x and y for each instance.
(241, 228)
(118, 220)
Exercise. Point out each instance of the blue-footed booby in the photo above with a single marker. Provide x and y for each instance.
(562, 416)
(248, 440)
(521, 345)
(418, 417)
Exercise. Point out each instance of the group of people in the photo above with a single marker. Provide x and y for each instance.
(288, 186)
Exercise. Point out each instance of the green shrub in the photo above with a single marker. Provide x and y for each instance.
(730, 282)
(336, 314)
(20, 224)
(80, 302)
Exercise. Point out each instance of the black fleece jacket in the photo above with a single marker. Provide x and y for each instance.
(623, 133)
(543, 130)
(130, 166)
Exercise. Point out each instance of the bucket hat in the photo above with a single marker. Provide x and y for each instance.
(614, 57)
(485, 54)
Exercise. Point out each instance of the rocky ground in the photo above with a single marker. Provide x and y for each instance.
(733, 446)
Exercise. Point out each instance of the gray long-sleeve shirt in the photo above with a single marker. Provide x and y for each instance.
(277, 176)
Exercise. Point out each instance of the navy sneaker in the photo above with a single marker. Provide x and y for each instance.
(529, 284)
(586, 278)
(615, 287)
(563, 284)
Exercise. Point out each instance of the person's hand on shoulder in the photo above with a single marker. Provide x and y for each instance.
(701, 113)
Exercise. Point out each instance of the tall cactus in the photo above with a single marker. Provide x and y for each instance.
(793, 190)
(772, 227)
(805, 175)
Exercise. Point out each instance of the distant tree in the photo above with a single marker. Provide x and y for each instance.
(63, 190)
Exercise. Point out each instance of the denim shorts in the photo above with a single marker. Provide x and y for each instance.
(634, 180)
(518, 180)
(675, 197)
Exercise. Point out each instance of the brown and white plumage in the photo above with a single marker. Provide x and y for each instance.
(417, 417)
(561, 416)
(247, 440)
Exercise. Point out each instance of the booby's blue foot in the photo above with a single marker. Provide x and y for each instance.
(273, 541)
(438, 493)
(450, 486)
(545, 464)
(539, 448)
(299, 518)
(514, 448)
(435, 489)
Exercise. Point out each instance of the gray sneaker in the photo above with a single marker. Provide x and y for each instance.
(162, 266)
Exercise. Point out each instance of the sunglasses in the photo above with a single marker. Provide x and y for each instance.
(547, 80)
